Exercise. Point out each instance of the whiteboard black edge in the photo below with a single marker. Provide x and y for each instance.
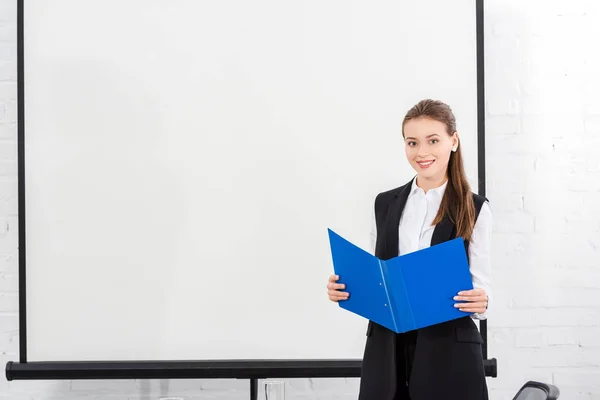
(219, 369)
(481, 187)
(21, 176)
(209, 369)
(21, 182)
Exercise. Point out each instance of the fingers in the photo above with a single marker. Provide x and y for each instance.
(478, 304)
(474, 295)
(477, 298)
(472, 292)
(335, 286)
(331, 285)
(471, 307)
(333, 289)
(335, 295)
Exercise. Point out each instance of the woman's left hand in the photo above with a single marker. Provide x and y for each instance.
(472, 301)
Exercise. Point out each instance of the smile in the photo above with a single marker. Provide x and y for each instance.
(425, 164)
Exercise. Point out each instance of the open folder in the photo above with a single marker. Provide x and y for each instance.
(403, 293)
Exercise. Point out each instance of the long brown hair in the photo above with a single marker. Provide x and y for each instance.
(457, 202)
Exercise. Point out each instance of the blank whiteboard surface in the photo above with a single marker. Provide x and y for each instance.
(184, 160)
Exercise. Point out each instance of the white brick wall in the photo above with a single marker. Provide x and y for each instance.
(543, 160)
(543, 147)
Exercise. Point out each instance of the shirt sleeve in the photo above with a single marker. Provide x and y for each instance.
(373, 233)
(480, 255)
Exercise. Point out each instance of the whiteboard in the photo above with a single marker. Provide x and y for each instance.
(184, 159)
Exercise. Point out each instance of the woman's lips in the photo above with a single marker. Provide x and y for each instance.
(425, 164)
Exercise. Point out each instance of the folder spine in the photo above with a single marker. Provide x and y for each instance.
(412, 317)
(387, 294)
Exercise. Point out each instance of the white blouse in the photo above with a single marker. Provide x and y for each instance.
(415, 232)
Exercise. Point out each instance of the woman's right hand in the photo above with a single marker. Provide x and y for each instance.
(333, 289)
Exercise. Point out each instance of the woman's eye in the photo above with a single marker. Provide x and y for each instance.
(411, 143)
(434, 141)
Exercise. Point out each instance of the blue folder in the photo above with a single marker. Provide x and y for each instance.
(403, 293)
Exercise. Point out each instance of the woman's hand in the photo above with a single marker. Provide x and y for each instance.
(333, 289)
(472, 301)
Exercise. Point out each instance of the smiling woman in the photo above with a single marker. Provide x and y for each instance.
(435, 206)
(421, 143)
(432, 149)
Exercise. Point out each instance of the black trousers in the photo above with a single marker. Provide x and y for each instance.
(443, 361)
(406, 344)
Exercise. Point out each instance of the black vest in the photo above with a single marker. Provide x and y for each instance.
(448, 361)
(388, 210)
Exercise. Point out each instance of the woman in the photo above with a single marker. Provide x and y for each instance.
(443, 361)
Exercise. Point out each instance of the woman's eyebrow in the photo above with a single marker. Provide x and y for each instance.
(427, 137)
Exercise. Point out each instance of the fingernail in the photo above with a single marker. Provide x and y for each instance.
(461, 293)
(455, 298)
(457, 305)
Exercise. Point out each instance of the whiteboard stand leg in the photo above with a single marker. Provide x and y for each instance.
(253, 389)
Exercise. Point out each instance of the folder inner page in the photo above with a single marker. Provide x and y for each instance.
(361, 273)
(433, 276)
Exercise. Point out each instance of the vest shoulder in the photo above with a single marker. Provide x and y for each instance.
(391, 193)
(479, 199)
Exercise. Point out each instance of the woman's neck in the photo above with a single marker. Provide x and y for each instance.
(430, 183)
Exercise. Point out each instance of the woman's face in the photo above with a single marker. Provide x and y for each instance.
(428, 147)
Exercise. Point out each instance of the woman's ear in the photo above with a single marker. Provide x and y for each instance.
(455, 141)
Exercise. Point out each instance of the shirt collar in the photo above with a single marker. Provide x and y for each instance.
(439, 191)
